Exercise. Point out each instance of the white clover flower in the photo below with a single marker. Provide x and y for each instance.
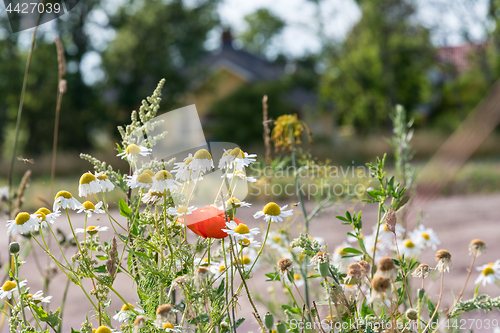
(144, 180)
(490, 274)
(65, 200)
(163, 181)
(202, 162)
(236, 158)
(23, 223)
(89, 208)
(38, 297)
(240, 174)
(240, 231)
(272, 212)
(91, 230)
(181, 211)
(133, 150)
(104, 182)
(88, 185)
(424, 237)
(10, 287)
(409, 248)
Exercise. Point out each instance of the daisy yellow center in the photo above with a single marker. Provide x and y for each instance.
(490, 264)
(242, 229)
(245, 242)
(426, 236)
(168, 325)
(103, 329)
(8, 286)
(149, 172)
(43, 210)
(186, 162)
(409, 244)
(162, 175)
(233, 201)
(88, 205)
(127, 307)
(240, 173)
(487, 271)
(237, 152)
(102, 177)
(202, 154)
(182, 210)
(86, 178)
(41, 215)
(133, 149)
(92, 230)
(385, 228)
(246, 260)
(296, 276)
(342, 252)
(222, 268)
(272, 209)
(145, 178)
(64, 194)
(22, 218)
(277, 239)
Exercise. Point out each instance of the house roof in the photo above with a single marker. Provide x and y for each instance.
(243, 63)
(460, 57)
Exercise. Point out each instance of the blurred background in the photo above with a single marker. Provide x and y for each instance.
(340, 65)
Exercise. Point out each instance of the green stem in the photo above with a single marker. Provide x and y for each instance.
(376, 236)
(19, 290)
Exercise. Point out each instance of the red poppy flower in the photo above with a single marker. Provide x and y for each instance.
(207, 222)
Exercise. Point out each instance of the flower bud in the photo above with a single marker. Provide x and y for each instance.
(281, 327)
(14, 247)
(224, 325)
(421, 293)
(323, 269)
(269, 320)
(412, 314)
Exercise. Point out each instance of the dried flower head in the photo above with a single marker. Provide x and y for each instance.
(365, 267)
(381, 289)
(354, 271)
(164, 314)
(477, 245)
(201, 274)
(443, 258)
(139, 321)
(422, 271)
(319, 258)
(180, 281)
(391, 220)
(387, 267)
(284, 267)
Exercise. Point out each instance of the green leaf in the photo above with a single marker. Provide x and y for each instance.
(289, 308)
(124, 208)
(402, 202)
(239, 322)
(477, 290)
(51, 318)
(73, 331)
(352, 250)
(348, 216)
(342, 218)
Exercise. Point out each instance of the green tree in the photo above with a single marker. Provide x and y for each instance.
(383, 61)
(263, 27)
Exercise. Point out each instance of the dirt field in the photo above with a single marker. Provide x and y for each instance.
(456, 220)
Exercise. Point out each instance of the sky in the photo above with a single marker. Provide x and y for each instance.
(447, 19)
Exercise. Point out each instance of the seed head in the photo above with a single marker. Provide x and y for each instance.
(164, 309)
(411, 314)
(320, 258)
(381, 283)
(386, 264)
(391, 220)
(354, 271)
(477, 245)
(365, 267)
(139, 321)
(284, 264)
(422, 271)
(443, 258)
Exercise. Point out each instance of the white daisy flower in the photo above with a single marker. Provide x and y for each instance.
(169, 327)
(382, 248)
(272, 212)
(144, 180)
(181, 211)
(163, 181)
(152, 198)
(277, 240)
(49, 217)
(298, 280)
(202, 162)
(125, 312)
(236, 158)
(65, 200)
(91, 230)
(246, 242)
(409, 248)
(424, 237)
(89, 208)
(88, 185)
(23, 223)
(104, 182)
(133, 150)
(9, 287)
(240, 231)
(490, 273)
(240, 174)
(339, 252)
(218, 268)
(38, 297)
(43, 220)
(385, 234)
(183, 170)
(235, 203)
